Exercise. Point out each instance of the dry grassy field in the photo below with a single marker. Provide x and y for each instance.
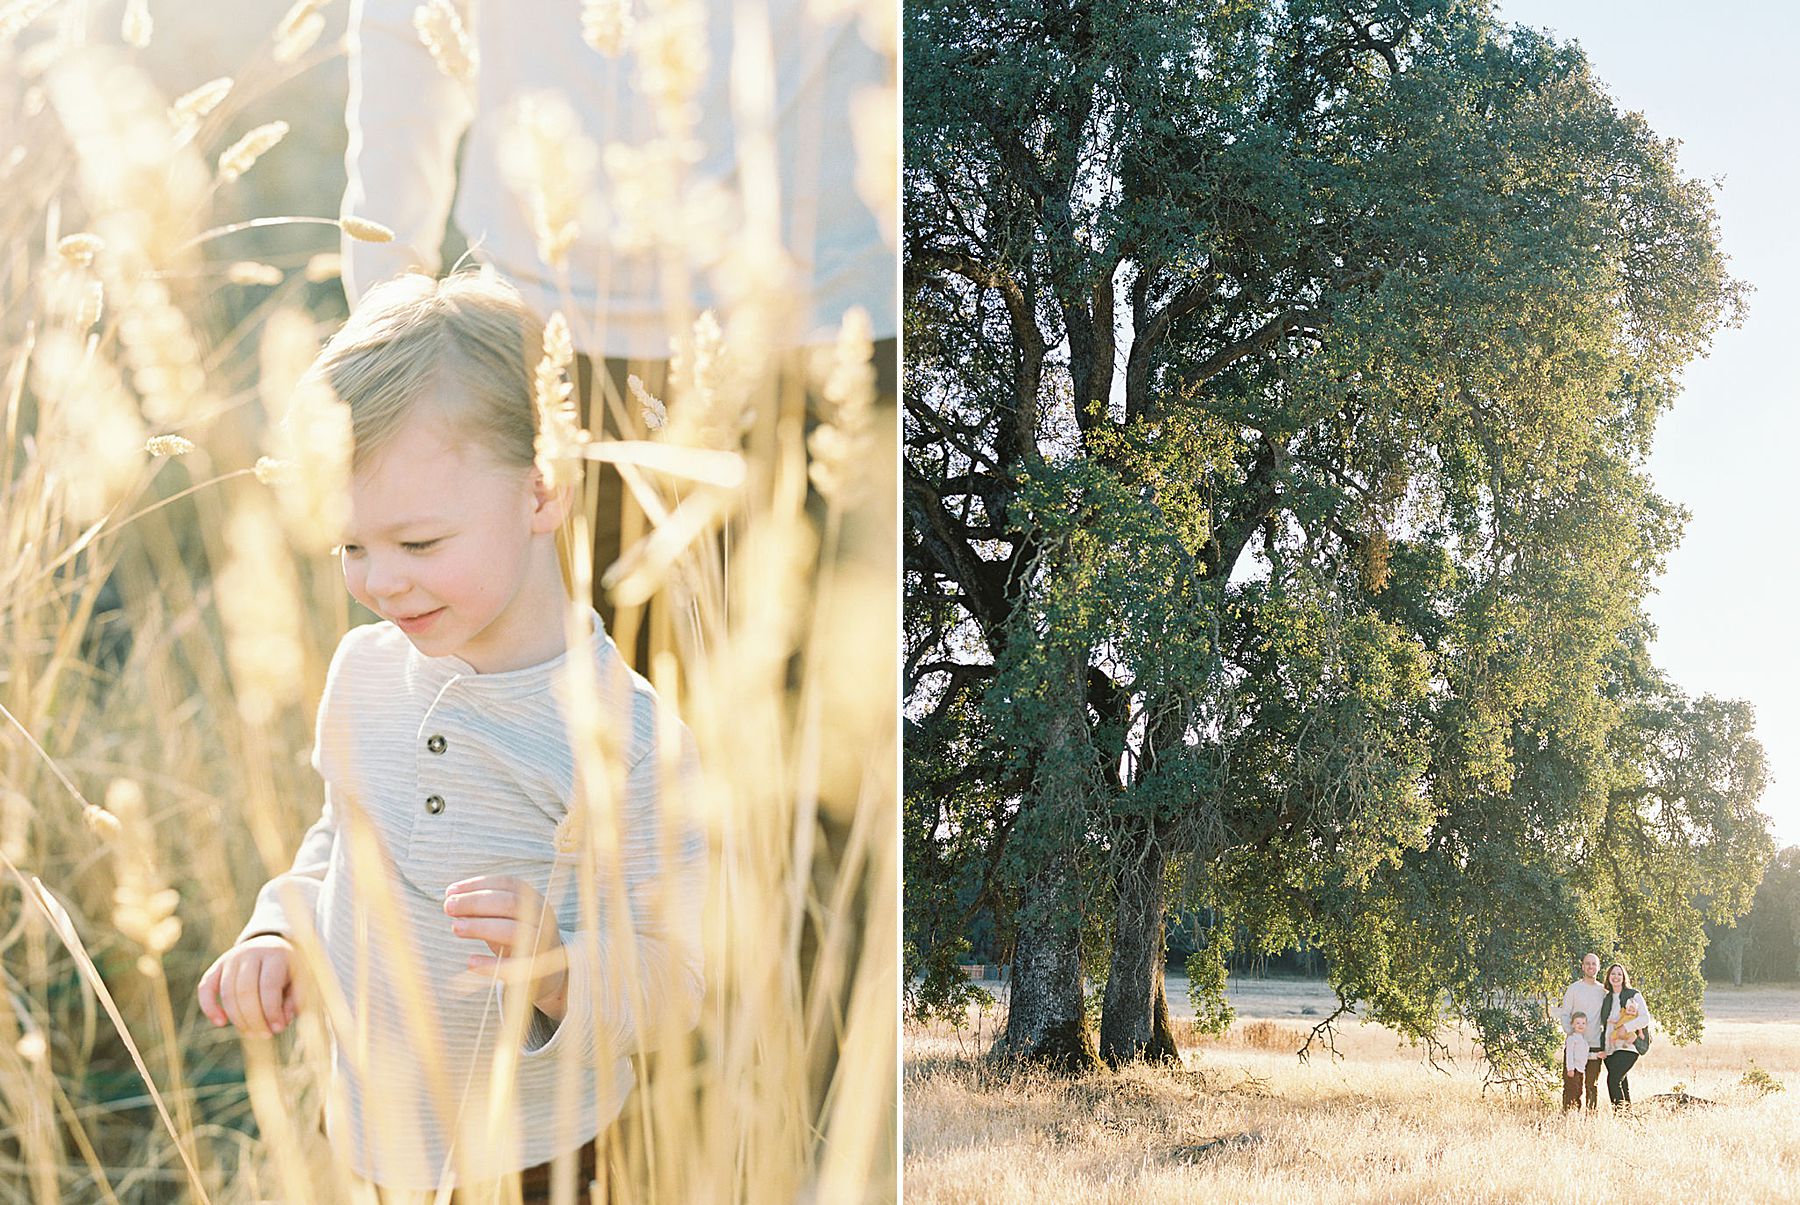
(1244, 1120)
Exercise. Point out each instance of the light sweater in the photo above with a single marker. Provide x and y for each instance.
(1575, 1052)
(1581, 997)
(406, 116)
(458, 774)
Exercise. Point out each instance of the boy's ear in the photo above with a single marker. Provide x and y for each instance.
(549, 506)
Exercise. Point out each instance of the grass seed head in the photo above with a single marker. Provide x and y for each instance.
(315, 439)
(141, 192)
(242, 155)
(327, 265)
(90, 427)
(143, 907)
(365, 231)
(272, 471)
(161, 350)
(568, 831)
(549, 163)
(710, 390)
(298, 29)
(672, 61)
(100, 822)
(79, 250)
(560, 436)
(125, 798)
(168, 445)
(250, 272)
(16, 17)
(300, 39)
(650, 407)
(259, 596)
(440, 28)
(606, 26)
(649, 204)
(136, 25)
(192, 106)
(759, 284)
(296, 17)
(285, 354)
(559, 345)
(842, 444)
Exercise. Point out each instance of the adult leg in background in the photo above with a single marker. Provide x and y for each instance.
(1618, 1066)
(1591, 1080)
(606, 409)
(617, 522)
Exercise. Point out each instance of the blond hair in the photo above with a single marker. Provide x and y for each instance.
(468, 340)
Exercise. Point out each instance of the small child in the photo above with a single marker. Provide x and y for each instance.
(1622, 1026)
(1574, 1060)
(449, 774)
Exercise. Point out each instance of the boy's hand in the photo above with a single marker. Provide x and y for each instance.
(252, 986)
(509, 915)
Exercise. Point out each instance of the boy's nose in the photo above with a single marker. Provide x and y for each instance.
(384, 579)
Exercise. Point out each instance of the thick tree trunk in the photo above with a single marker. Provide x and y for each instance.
(1162, 1048)
(1134, 1023)
(1046, 1018)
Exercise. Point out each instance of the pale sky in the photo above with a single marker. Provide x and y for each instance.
(1721, 78)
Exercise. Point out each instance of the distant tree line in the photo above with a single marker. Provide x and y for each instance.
(1763, 946)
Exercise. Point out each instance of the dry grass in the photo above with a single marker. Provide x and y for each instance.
(1245, 1123)
(164, 629)
(1264, 1034)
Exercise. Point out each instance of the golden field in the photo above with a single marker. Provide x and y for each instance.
(1244, 1120)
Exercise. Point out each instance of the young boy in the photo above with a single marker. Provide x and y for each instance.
(1575, 1058)
(451, 833)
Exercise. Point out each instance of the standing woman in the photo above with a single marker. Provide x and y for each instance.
(1624, 1022)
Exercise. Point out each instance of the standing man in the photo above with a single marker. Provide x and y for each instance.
(1585, 995)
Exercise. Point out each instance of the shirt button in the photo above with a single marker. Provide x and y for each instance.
(434, 804)
(435, 744)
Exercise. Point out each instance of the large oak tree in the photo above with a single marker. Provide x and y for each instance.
(1280, 378)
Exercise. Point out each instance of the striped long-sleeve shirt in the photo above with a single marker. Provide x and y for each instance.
(435, 773)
